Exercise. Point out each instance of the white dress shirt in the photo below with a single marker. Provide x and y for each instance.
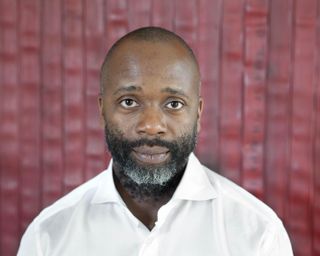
(208, 215)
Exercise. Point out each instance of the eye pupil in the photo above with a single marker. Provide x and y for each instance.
(129, 102)
(174, 104)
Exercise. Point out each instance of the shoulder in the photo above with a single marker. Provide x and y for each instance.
(83, 194)
(242, 213)
(232, 195)
(57, 216)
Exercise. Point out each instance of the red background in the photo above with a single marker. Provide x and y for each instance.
(260, 64)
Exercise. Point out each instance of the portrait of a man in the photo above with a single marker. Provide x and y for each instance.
(155, 197)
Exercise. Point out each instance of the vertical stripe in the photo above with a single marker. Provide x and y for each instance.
(73, 94)
(255, 70)
(316, 148)
(162, 13)
(301, 164)
(316, 145)
(9, 129)
(209, 57)
(186, 21)
(52, 122)
(95, 51)
(139, 14)
(116, 20)
(231, 90)
(277, 107)
(30, 117)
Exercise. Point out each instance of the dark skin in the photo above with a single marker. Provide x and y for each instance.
(152, 91)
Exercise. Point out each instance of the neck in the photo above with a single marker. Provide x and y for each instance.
(144, 200)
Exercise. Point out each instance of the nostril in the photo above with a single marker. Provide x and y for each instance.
(152, 128)
(151, 123)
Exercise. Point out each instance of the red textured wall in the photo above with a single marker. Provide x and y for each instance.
(260, 64)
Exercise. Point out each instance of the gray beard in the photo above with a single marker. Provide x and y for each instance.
(153, 176)
(149, 180)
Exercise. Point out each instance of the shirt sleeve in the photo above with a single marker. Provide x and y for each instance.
(276, 242)
(29, 244)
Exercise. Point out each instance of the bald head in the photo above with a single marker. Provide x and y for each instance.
(151, 35)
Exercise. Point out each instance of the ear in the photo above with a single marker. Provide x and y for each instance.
(101, 110)
(200, 109)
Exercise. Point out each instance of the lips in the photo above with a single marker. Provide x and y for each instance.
(151, 155)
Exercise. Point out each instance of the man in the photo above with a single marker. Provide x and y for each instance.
(155, 198)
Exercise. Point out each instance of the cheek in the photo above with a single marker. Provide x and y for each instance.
(110, 116)
(123, 124)
(184, 124)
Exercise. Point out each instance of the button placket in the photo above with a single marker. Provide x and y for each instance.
(150, 246)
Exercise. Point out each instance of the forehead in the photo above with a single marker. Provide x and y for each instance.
(165, 62)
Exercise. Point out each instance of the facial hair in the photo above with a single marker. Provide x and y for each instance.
(149, 180)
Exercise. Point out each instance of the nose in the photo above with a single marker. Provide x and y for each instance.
(151, 122)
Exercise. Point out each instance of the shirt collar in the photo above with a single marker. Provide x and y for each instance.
(194, 185)
(106, 191)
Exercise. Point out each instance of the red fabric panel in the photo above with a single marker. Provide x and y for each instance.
(30, 118)
(301, 163)
(186, 21)
(256, 15)
(9, 129)
(316, 155)
(260, 71)
(95, 50)
(278, 114)
(209, 57)
(116, 19)
(73, 94)
(139, 14)
(277, 108)
(52, 116)
(163, 14)
(231, 89)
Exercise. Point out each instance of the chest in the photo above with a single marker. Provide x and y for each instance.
(184, 230)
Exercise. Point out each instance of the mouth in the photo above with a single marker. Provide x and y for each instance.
(151, 155)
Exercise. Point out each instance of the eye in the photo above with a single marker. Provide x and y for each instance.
(175, 105)
(128, 103)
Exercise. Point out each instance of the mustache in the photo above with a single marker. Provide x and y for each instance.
(150, 143)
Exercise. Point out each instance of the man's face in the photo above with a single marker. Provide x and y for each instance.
(151, 110)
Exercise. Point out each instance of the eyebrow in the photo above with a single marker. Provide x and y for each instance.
(133, 88)
(175, 92)
(130, 88)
